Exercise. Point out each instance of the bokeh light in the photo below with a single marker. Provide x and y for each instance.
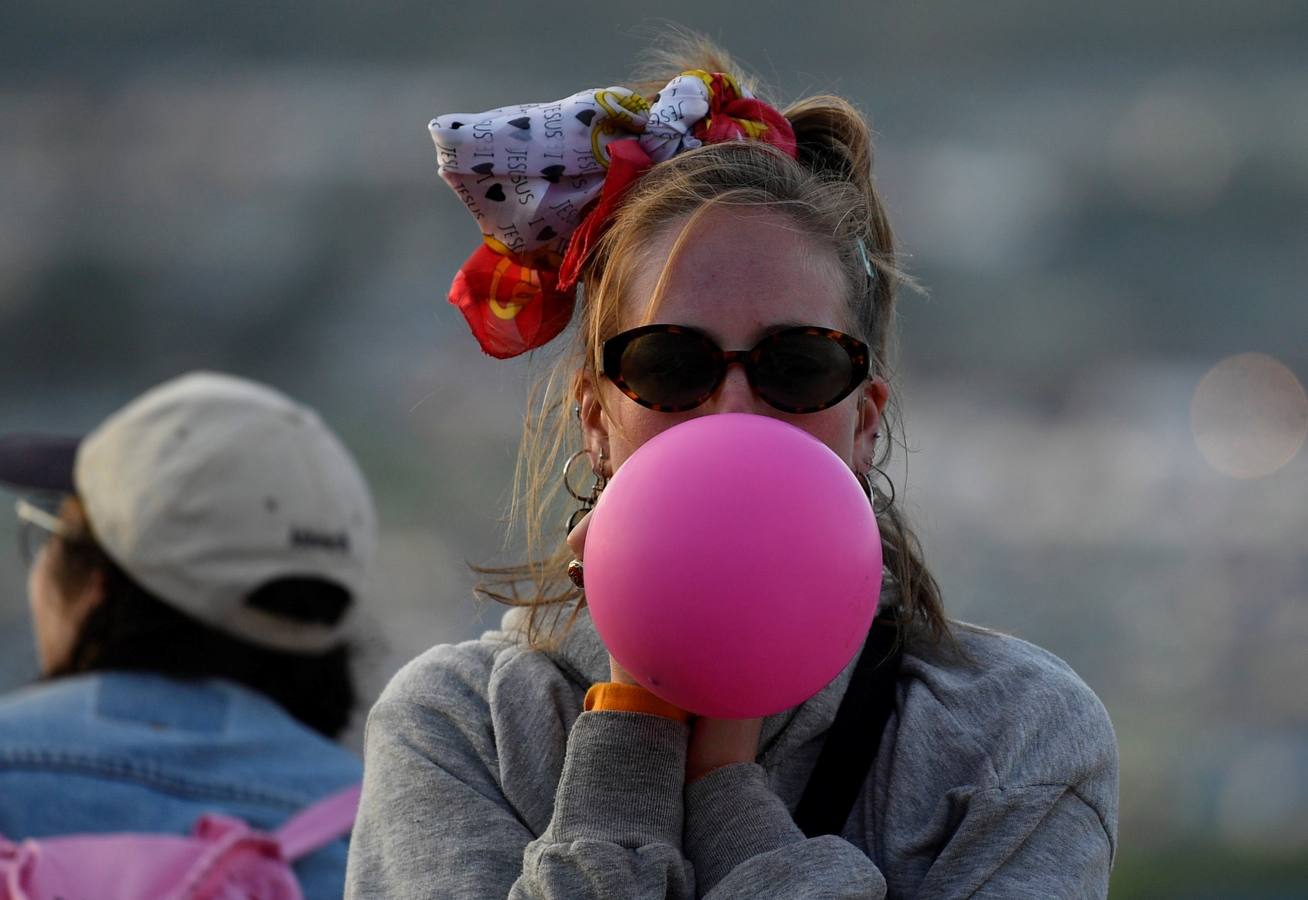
(1174, 150)
(1249, 415)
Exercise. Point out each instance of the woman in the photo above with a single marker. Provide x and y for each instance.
(191, 563)
(529, 764)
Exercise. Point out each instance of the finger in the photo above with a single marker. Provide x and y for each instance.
(577, 536)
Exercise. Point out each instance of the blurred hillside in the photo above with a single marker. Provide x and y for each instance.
(1103, 201)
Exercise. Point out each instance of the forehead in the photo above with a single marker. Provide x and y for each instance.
(736, 274)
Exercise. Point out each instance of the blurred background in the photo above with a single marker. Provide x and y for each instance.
(1107, 204)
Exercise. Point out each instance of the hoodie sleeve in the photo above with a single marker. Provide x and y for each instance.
(616, 829)
(743, 842)
(434, 818)
(1035, 841)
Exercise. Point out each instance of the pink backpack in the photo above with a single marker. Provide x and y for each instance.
(223, 859)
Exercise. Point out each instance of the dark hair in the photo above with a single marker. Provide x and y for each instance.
(133, 629)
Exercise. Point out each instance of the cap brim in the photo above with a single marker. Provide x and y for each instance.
(38, 462)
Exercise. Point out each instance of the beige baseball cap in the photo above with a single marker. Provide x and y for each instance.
(208, 487)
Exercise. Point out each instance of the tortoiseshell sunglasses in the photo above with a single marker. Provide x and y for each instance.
(673, 368)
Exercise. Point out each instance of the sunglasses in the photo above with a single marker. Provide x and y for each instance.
(35, 528)
(672, 368)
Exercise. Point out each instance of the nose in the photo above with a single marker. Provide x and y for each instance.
(735, 395)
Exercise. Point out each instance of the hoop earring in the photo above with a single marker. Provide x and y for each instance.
(880, 502)
(597, 487)
(864, 484)
(886, 502)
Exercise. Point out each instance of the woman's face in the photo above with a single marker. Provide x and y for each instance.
(737, 276)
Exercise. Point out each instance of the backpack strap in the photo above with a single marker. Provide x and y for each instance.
(320, 824)
(855, 733)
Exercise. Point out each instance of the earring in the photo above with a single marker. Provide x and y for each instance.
(864, 484)
(577, 574)
(576, 571)
(880, 502)
(597, 486)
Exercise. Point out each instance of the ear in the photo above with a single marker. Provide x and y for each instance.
(871, 404)
(594, 423)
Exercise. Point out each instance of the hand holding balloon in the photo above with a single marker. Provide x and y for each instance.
(732, 566)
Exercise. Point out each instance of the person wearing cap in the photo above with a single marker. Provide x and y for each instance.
(192, 562)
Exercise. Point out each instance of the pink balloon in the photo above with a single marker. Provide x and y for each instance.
(733, 565)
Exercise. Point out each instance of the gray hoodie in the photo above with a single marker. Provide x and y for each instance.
(996, 777)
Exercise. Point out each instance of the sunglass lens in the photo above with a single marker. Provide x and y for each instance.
(672, 370)
(802, 372)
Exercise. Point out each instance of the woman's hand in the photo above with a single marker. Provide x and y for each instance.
(714, 743)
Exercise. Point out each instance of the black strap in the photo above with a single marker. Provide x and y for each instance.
(855, 734)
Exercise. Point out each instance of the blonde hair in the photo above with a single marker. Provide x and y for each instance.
(827, 193)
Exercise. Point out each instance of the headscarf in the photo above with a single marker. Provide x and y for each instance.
(544, 180)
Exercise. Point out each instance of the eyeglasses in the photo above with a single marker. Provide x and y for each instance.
(35, 528)
(672, 368)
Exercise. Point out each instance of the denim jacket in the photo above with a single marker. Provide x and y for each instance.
(137, 751)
